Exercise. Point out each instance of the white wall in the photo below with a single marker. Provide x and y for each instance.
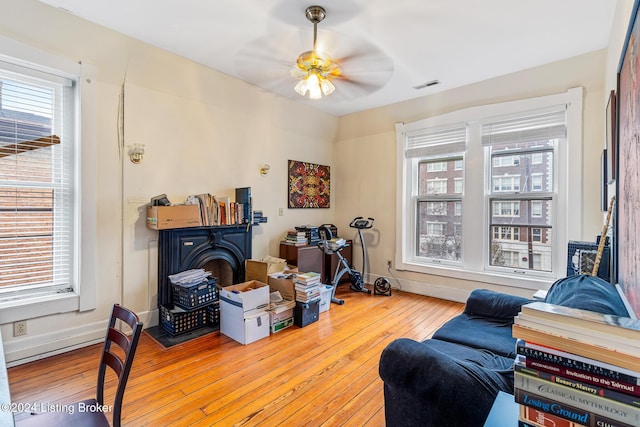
(203, 132)
(366, 159)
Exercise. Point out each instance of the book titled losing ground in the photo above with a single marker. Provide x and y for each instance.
(617, 325)
(578, 399)
(568, 412)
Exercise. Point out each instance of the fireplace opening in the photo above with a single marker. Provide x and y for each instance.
(221, 270)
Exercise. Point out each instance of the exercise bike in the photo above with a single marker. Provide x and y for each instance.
(357, 278)
(331, 246)
(381, 286)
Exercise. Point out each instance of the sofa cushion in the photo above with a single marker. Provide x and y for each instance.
(485, 323)
(486, 303)
(478, 332)
(587, 293)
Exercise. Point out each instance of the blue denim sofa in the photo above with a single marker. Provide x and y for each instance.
(453, 378)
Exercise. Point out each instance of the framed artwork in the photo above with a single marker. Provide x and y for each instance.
(627, 223)
(309, 185)
(604, 195)
(611, 137)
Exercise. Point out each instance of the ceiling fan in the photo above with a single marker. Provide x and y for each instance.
(314, 69)
(357, 69)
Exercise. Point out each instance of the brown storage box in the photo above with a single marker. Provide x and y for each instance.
(166, 217)
(284, 285)
(260, 270)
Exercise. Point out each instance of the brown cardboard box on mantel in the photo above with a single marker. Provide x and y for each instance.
(167, 217)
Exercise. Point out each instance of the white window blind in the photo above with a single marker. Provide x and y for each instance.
(537, 126)
(436, 141)
(36, 180)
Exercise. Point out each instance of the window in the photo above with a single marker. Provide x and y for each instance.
(536, 209)
(536, 181)
(436, 186)
(506, 183)
(506, 233)
(457, 185)
(438, 192)
(535, 133)
(41, 185)
(437, 208)
(536, 235)
(520, 223)
(36, 182)
(436, 167)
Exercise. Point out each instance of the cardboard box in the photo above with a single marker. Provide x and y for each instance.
(283, 283)
(260, 270)
(166, 217)
(244, 327)
(325, 297)
(247, 296)
(281, 324)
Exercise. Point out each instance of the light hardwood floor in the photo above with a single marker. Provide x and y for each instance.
(324, 374)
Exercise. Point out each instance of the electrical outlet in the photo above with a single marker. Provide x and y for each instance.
(20, 328)
(388, 263)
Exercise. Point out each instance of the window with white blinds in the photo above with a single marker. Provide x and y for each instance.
(521, 156)
(36, 181)
(484, 191)
(438, 155)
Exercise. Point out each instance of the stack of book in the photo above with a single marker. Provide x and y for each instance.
(295, 238)
(576, 367)
(307, 287)
(221, 210)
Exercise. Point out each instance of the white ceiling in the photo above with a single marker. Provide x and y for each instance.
(457, 42)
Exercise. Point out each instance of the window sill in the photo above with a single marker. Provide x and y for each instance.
(526, 281)
(43, 305)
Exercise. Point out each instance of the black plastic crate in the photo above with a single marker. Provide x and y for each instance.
(177, 320)
(213, 314)
(306, 312)
(196, 295)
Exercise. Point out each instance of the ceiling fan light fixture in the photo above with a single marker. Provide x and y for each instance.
(315, 84)
(315, 70)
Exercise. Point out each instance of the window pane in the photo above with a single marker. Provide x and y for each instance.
(521, 234)
(35, 184)
(439, 236)
(439, 177)
(529, 171)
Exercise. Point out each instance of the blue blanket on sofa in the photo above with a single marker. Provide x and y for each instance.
(453, 378)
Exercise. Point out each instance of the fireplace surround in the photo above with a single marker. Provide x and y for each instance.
(219, 249)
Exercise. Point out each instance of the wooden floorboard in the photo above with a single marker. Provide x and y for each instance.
(325, 374)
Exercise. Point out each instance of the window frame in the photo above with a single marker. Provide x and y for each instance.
(473, 267)
(20, 306)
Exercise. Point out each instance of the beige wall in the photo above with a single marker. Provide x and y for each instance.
(203, 132)
(207, 132)
(366, 159)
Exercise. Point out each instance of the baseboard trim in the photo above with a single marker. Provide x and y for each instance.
(424, 288)
(36, 347)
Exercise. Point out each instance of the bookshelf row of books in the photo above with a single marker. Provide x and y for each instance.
(307, 287)
(576, 367)
(222, 211)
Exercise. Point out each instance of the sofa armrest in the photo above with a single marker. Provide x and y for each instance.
(441, 383)
(486, 303)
